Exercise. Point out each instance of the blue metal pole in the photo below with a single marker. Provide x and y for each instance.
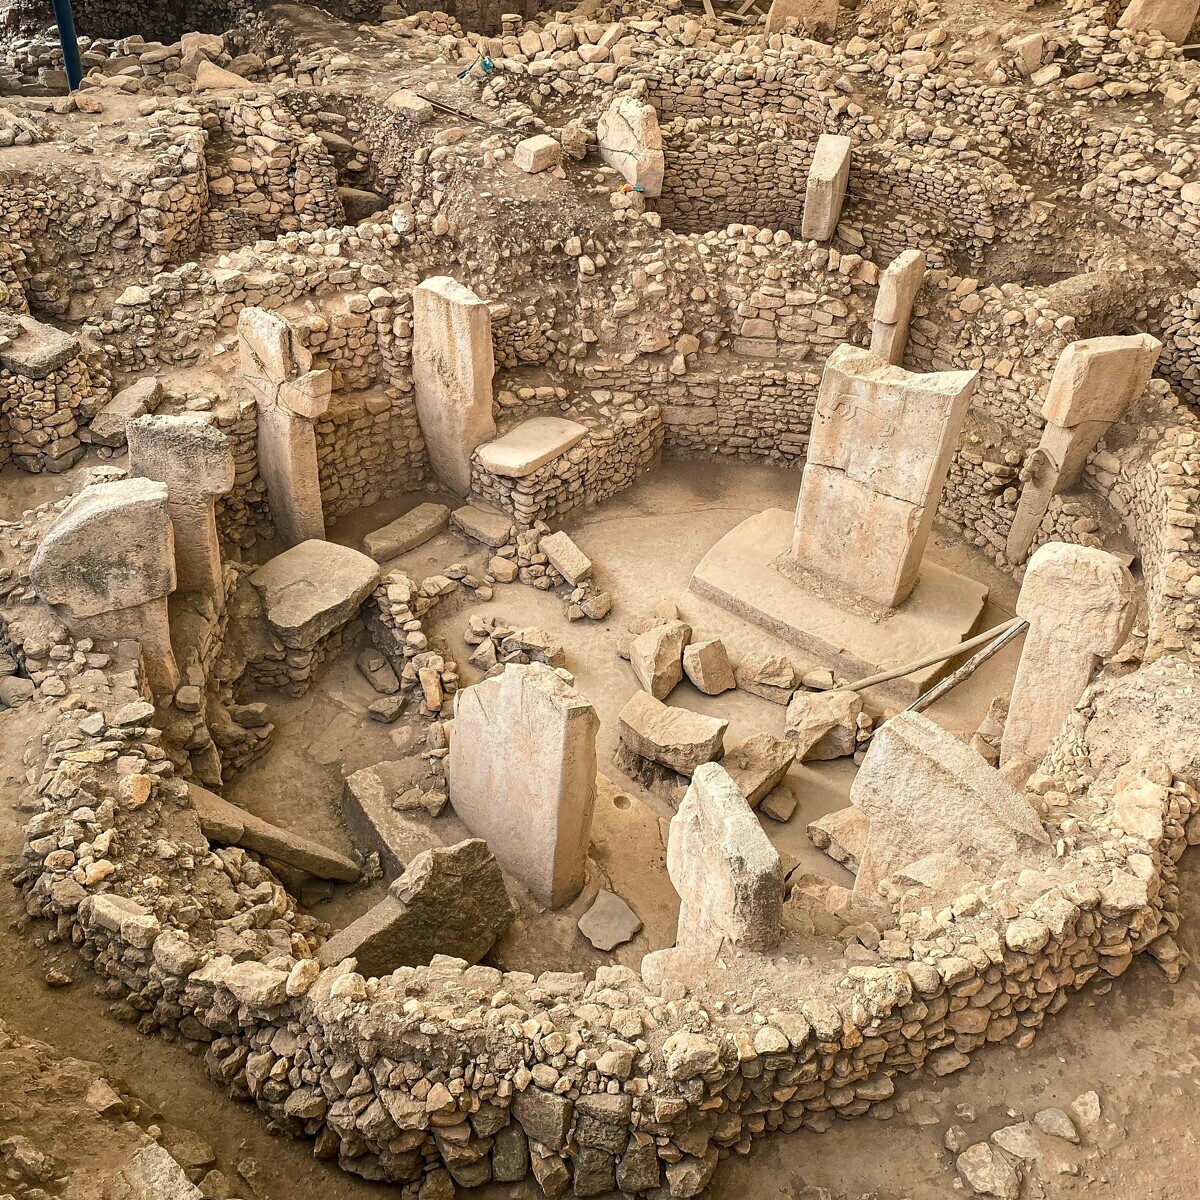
(70, 43)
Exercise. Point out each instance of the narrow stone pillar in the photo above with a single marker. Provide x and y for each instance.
(813, 16)
(1172, 18)
(523, 775)
(1094, 382)
(452, 374)
(630, 141)
(826, 190)
(878, 455)
(1080, 605)
(107, 565)
(898, 290)
(195, 460)
(727, 873)
(291, 396)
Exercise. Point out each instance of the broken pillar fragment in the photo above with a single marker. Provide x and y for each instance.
(898, 289)
(826, 191)
(631, 142)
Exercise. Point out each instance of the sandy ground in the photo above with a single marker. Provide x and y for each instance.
(1134, 1045)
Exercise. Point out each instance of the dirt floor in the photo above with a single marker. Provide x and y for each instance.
(1132, 1045)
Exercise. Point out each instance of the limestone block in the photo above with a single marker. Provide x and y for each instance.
(631, 142)
(108, 426)
(451, 900)
(269, 349)
(814, 16)
(927, 793)
(656, 657)
(727, 873)
(37, 349)
(826, 190)
(566, 557)
(1097, 378)
(406, 533)
(898, 289)
(1172, 18)
(1080, 605)
(523, 775)
(530, 445)
(879, 452)
(758, 765)
(821, 725)
(411, 105)
(609, 923)
(707, 666)
(211, 78)
(452, 375)
(537, 153)
(195, 460)
(313, 589)
(676, 737)
(491, 528)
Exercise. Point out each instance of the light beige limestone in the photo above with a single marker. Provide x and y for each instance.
(631, 142)
(828, 176)
(898, 290)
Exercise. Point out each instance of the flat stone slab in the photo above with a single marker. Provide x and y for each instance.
(36, 349)
(737, 574)
(610, 922)
(491, 528)
(530, 445)
(313, 589)
(406, 533)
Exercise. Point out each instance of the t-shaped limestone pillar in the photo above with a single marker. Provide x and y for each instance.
(878, 454)
(826, 190)
(452, 374)
(898, 290)
(195, 460)
(523, 775)
(1079, 603)
(107, 565)
(727, 873)
(291, 396)
(1094, 382)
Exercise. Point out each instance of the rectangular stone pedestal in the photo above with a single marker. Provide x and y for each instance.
(739, 575)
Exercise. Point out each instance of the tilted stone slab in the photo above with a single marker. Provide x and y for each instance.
(825, 192)
(37, 349)
(523, 775)
(1172, 18)
(313, 589)
(451, 900)
(926, 792)
(231, 825)
(406, 533)
(530, 445)
(1096, 379)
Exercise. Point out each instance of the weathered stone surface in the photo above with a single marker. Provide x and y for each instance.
(452, 374)
(610, 922)
(898, 289)
(881, 443)
(152, 1174)
(313, 589)
(828, 174)
(758, 765)
(523, 775)
(37, 349)
(675, 737)
(406, 533)
(925, 792)
(988, 1173)
(656, 657)
(767, 675)
(108, 425)
(631, 142)
(841, 834)
(544, 1116)
(706, 665)
(537, 153)
(375, 824)
(211, 78)
(1173, 18)
(529, 445)
(451, 900)
(814, 16)
(566, 557)
(483, 525)
(723, 866)
(1080, 606)
(822, 725)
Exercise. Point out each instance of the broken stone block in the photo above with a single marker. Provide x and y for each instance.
(758, 765)
(822, 725)
(37, 349)
(313, 589)
(631, 142)
(656, 657)
(769, 676)
(925, 793)
(779, 805)
(387, 708)
(987, 1172)
(451, 900)
(841, 834)
(152, 1174)
(375, 823)
(814, 16)
(1172, 18)
(523, 775)
(706, 664)
(537, 153)
(483, 524)
(676, 737)
(610, 922)
(211, 78)
(898, 288)
(378, 672)
(407, 532)
(566, 557)
(529, 445)
(138, 399)
(827, 179)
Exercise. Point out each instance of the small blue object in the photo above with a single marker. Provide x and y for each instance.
(70, 43)
(487, 64)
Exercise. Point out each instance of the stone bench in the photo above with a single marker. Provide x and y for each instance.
(529, 445)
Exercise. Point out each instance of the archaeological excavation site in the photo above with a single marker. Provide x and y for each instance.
(599, 601)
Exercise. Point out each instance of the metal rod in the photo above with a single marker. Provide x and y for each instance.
(929, 659)
(968, 668)
(65, 19)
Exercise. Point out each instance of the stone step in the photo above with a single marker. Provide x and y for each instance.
(530, 445)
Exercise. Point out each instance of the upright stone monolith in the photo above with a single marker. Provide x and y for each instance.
(452, 374)
(107, 565)
(1080, 606)
(523, 775)
(630, 141)
(291, 396)
(878, 455)
(194, 459)
(898, 288)
(825, 193)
